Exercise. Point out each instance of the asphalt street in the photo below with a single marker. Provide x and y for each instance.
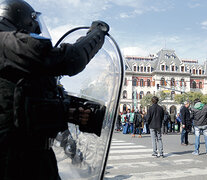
(130, 159)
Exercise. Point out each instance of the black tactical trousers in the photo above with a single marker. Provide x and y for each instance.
(19, 161)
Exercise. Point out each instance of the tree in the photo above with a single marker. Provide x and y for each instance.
(162, 95)
(146, 100)
(204, 99)
(190, 96)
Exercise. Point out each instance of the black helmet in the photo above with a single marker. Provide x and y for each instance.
(20, 15)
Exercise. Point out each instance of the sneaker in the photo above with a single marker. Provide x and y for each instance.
(195, 153)
(160, 155)
(154, 155)
(139, 136)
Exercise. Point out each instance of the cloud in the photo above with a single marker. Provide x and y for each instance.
(194, 5)
(204, 25)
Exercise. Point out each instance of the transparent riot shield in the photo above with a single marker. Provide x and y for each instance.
(81, 154)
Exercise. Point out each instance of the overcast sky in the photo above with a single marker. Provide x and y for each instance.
(140, 27)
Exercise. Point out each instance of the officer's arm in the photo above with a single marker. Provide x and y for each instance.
(72, 58)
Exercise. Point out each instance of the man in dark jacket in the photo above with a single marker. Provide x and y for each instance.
(28, 67)
(199, 116)
(155, 116)
(186, 123)
(137, 123)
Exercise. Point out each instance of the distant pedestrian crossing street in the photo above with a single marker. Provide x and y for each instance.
(133, 161)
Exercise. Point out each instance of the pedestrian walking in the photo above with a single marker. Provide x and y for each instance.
(138, 120)
(199, 116)
(155, 116)
(172, 121)
(118, 122)
(165, 122)
(186, 123)
(178, 122)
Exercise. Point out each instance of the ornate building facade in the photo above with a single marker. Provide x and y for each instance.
(161, 72)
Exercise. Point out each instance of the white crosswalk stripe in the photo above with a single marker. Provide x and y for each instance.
(124, 156)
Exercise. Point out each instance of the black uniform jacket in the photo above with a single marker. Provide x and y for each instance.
(155, 116)
(24, 56)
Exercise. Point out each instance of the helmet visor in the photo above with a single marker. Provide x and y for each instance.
(43, 31)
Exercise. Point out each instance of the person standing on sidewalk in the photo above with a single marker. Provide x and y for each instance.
(199, 116)
(137, 123)
(186, 123)
(155, 116)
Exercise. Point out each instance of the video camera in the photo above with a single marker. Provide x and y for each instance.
(96, 117)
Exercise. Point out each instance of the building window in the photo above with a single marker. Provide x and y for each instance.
(172, 82)
(124, 107)
(125, 94)
(135, 68)
(142, 69)
(141, 82)
(162, 82)
(141, 95)
(200, 71)
(134, 82)
(182, 68)
(194, 85)
(172, 68)
(194, 71)
(148, 83)
(148, 92)
(145, 69)
(163, 67)
(148, 69)
(200, 85)
(138, 68)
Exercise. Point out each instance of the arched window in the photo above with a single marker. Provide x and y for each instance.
(138, 68)
(124, 107)
(148, 92)
(141, 94)
(124, 94)
(134, 82)
(135, 68)
(172, 82)
(148, 83)
(162, 81)
(142, 69)
(200, 85)
(141, 82)
(194, 85)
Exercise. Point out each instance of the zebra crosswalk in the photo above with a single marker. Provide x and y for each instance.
(131, 161)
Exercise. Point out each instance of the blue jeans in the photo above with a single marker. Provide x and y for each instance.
(198, 130)
(156, 137)
(184, 136)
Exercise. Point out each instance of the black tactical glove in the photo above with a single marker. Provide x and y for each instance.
(99, 25)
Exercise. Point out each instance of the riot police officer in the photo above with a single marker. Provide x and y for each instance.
(30, 108)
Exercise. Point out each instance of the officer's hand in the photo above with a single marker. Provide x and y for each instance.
(84, 115)
(99, 25)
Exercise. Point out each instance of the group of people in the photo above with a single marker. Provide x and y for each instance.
(132, 122)
(159, 122)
